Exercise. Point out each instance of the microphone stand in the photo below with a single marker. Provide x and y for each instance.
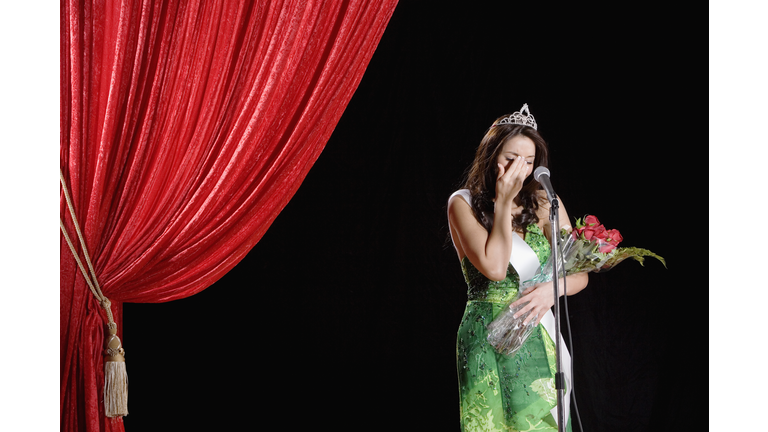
(559, 377)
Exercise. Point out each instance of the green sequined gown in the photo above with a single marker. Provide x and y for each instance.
(499, 393)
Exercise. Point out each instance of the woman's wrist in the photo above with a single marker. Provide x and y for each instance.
(505, 204)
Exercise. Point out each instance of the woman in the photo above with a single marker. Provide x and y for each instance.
(499, 226)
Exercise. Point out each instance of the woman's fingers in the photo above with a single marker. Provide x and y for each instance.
(518, 171)
(514, 174)
(517, 303)
(522, 169)
(535, 319)
(524, 303)
(535, 302)
(532, 311)
(522, 310)
(511, 177)
(515, 168)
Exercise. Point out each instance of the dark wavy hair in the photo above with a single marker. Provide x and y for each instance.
(481, 175)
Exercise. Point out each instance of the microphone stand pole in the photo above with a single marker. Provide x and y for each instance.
(559, 377)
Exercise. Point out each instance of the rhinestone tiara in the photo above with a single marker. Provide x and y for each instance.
(518, 117)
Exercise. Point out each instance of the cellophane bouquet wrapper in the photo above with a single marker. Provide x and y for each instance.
(595, 251)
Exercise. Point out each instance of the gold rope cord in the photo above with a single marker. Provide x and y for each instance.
(95, 289)
(115, 378)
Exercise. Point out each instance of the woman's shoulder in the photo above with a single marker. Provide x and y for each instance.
(463, 193)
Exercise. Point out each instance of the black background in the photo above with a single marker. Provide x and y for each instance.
(344, 315)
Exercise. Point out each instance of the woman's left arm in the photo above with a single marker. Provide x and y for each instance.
(541, 297)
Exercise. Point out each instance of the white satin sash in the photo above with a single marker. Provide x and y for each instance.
(523, 258)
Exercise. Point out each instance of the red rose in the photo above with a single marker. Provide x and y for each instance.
(591, 221)
(593, 231)
(606, 248)
(601, 233)
(614, 237)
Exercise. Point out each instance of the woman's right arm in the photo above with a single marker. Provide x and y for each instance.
(489, 252)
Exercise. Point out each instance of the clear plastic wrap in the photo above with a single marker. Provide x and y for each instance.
(507, 333)
(590, 247)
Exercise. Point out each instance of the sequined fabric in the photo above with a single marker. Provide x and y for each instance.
(500, 393)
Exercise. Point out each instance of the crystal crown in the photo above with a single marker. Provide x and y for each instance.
(518, 117)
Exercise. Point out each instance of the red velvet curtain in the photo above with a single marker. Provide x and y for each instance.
(186, 126)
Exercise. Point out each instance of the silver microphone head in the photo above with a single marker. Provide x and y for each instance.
(542, 170)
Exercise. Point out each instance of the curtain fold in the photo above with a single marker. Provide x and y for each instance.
(186, 126)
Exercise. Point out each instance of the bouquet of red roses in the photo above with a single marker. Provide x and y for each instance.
(590, 247)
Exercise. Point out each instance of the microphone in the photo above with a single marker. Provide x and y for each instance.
(541, 174)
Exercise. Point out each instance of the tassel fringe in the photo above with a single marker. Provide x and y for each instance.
(115, 389)
(115, 376)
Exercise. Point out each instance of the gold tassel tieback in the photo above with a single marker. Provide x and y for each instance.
(115, 376)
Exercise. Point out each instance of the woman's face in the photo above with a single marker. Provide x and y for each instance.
(518, 145)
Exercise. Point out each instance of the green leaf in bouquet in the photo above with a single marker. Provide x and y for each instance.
(579, 223)
(622, 253)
